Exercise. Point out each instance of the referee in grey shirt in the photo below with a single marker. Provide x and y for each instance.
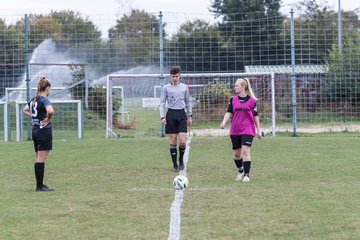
(178, 116)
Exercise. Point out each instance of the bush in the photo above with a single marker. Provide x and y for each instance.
(97, 101)
(211, 103)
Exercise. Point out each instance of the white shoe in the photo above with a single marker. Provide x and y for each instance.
(239, 176)
(246, 179)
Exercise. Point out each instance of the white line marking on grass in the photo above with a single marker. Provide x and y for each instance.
(192, 189)
(175, 209)
(175, 220)
(186, 155)
(150, 189)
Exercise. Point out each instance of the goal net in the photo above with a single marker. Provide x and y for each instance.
(66, 109)
(69, 96)
(133, 99)
(67, 123)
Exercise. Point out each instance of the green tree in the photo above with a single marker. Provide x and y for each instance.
(77, 74)
(42, 27)
(343, 77)
(74, 28)
(137, 35)
(97, 94)
(97, 101)
(316, 30)
(80, 36)
(316, 26)
(198, 47)
(12, 51)
(251, 30)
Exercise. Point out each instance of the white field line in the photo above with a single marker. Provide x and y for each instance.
(175, 219)
(186, 155)
(175, 209)
(192, 189)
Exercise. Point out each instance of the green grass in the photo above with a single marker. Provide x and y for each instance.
(303, 187)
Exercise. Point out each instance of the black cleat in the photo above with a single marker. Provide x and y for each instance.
(175, 168)
(181, 167)
(44, 188)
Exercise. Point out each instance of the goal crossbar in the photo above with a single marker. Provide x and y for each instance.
(21, 89)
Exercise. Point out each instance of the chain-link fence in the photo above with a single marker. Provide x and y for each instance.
(77, 57)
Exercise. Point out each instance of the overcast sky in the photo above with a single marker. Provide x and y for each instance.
(15, 9)
(118, 6)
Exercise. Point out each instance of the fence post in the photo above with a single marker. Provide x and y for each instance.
(293, 76)
(339, 25)
(27, 73)
(161, 52)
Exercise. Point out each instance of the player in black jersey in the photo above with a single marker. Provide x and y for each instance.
(40, 110)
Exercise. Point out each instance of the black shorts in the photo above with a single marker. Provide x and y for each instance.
(42, 138)
(176, 121)
(239, 140)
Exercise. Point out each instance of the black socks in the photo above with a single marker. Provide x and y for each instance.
(239, 164)
(247, 165)
(181, 151)
(39, 173)
(173, 153)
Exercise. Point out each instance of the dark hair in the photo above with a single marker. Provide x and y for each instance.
(175, 70)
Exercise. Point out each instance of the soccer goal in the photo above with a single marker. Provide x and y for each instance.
(67, 122)
(210, 93)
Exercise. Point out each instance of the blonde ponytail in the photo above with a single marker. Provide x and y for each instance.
(245, 82)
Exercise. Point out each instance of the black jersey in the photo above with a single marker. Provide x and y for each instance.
(38, 110)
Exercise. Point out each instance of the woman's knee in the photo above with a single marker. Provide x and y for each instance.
(245, 151)
(237, 154)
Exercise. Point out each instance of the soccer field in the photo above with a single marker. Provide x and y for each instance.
(305, 187)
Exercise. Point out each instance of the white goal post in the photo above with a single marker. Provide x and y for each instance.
(5, 120)
(19, 116)
(146, 87)
(109, 107)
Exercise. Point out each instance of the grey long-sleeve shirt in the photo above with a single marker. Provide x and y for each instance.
(177, 97)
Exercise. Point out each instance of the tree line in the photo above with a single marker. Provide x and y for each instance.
(249, 32)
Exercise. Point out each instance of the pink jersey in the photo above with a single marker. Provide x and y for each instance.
(242, 122)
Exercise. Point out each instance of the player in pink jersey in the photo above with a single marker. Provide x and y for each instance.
(245, 125)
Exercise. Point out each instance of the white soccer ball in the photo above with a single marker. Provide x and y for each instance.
(180, 182)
